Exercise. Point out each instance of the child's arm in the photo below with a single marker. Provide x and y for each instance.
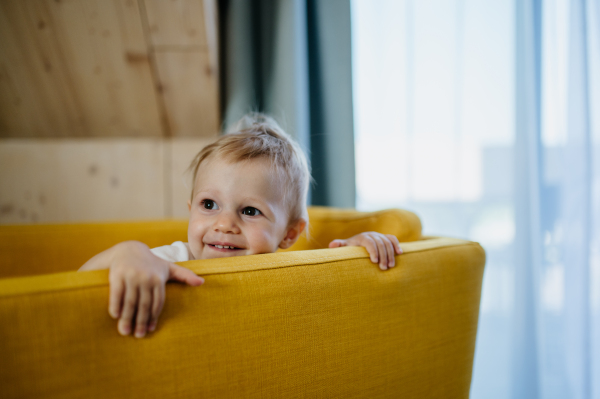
(381, 247)
(137, 284)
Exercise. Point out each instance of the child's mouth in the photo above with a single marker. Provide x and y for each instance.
(224, 248)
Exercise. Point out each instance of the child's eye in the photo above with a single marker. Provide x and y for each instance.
(250, 211)
(209, 204)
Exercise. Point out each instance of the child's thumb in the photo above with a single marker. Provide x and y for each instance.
(337, 243)
(179, 273)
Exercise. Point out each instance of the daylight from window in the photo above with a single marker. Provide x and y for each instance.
(434, 129)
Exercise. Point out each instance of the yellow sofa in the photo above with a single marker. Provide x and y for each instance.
(306, 323)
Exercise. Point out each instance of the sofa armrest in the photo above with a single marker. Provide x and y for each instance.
(29, 250)
(326, 224)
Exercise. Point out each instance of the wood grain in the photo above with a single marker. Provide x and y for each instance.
(67, 180)
(75, 69)
(190, 93)
(183, 38)
(90, 72)
(176, 23)
(181, 153)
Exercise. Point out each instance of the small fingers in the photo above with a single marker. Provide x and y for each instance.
(382, 252)
(371, 247)
(382, 248)
(389, 247)
(181, 274)
(337, 243)
(128, 311)
(143, 311)
(115, 299)
(158, 300)
(395, 243)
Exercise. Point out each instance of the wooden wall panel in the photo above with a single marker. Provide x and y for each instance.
(75, 68)
(176, 23)
(75, 71)
(186, 64)
(75, 180)
(181, 153)
(35, 97)
(190, 93)
(98, 179)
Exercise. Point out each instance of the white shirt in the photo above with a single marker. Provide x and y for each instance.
(177, 252)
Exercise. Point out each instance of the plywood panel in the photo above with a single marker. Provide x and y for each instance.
(77, 180)
(176, 23)
(75, 68)
(36, 98)
(182, 151)
(189, 87)
(212, 37)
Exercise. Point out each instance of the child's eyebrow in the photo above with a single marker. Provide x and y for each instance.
(206, 192)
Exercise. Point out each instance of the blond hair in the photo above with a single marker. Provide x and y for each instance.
(258, 136)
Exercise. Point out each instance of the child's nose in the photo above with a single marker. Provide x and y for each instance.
(226, 223)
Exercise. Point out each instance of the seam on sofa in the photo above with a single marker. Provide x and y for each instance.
(297, 258)
(319, 261)
(66, 281)
(353, 218)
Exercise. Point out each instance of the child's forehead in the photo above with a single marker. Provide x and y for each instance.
(216, 161)
(256, 173)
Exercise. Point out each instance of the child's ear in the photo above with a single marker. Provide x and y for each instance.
(189, 205)
(292, 234)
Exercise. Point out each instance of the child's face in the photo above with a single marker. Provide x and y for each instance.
(237, 209)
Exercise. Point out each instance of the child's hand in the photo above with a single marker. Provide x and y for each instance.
(137, 284)
(381, 247)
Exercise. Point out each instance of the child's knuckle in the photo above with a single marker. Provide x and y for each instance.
(145, 279)
(115, 274)
(154, 280)
(130, 303)
(131, 274)
(114, 281)
(145, 303)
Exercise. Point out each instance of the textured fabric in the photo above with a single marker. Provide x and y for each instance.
(316, 323)
(176, 252)
(77, 280)
(552, 348)
(327, 224)
(38, 249)
(323, 323)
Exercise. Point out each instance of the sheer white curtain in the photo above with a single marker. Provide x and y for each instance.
(487, 115)
(556, 335)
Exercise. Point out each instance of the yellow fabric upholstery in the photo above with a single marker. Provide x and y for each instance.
(327, 224)
(316, 323)
(32, 250)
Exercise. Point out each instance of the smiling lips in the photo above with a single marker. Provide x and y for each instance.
(224, 248)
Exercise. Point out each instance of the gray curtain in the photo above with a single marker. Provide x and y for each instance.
(292, 60)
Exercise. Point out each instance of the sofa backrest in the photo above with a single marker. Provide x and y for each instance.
(327, 224)
(38, 249)
(318, 323)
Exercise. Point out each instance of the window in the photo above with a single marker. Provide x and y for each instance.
(434, 133)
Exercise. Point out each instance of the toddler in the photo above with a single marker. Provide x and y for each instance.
(248, 197)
